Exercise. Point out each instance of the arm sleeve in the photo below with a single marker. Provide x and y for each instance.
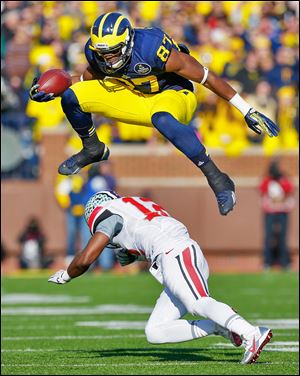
(286, 185)
(263, 187)
(111, 226)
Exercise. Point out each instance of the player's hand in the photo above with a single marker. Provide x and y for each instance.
(60, 277)
(125, 258)
(39, 96)
(259, 122)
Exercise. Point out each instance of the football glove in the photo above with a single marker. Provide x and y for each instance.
(259, 122)
(39, 96)
(60, 277)
(125, 258)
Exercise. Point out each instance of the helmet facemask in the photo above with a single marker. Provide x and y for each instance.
(122, 50)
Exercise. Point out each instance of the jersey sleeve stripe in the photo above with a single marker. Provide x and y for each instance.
(104, 215)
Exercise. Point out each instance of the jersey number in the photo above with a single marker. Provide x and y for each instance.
(140, 81)
(162, 52)
(157, 210)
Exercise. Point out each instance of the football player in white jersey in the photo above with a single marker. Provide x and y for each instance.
(136, 229)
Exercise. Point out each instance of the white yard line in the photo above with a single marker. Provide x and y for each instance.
(154, 364)
(54, 311)
(72, 337)
(42, 299)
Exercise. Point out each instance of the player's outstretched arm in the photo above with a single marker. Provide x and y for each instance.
(82, 260)
(188, 67)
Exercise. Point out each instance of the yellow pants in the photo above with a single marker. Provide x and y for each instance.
(114, 100)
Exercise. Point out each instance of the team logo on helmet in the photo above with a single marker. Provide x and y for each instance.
(94, 206)
(142, 68)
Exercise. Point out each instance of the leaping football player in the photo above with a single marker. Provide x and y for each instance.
(142, 76)
(139, 229)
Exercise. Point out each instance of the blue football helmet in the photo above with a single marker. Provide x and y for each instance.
(112, 41)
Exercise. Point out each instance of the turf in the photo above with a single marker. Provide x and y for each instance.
(38, 341)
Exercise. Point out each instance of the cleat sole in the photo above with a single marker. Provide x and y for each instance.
(267, 340)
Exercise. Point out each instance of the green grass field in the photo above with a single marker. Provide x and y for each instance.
(94, 326)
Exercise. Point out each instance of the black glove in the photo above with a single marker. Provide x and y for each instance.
(259, 122)
(39, 96)
(125, 258)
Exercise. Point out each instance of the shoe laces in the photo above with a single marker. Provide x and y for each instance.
(248, 341)
(70, 162)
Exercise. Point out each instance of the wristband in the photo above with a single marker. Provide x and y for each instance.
(238, 102)
(65, 276)
(205, 75)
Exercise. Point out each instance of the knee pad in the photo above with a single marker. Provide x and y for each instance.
(69, 99)
(167, 125)
(80, 121)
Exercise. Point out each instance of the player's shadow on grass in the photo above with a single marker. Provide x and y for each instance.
(161, 353)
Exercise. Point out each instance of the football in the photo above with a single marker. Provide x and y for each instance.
(54, 81)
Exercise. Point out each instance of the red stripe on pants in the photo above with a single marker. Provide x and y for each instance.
(187, 260)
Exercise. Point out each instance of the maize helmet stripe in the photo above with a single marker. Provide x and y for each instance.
(114, 40)
(101, 25)
(119, 29)
(112, 33)
(95, 27)
(111, 24)
(98, 25)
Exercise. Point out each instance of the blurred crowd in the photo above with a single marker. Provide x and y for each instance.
(254, 45)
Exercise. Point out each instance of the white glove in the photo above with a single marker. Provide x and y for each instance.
(60, 277)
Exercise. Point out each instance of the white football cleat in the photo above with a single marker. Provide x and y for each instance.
(254, 343)
(234, 338)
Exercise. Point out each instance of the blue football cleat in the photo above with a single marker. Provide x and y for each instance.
(75, 163)
(222, 186)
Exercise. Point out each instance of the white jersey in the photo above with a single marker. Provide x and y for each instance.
(146, 228)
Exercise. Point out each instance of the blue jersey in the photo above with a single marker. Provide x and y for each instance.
(145, 70)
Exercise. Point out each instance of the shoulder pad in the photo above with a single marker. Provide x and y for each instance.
(106, 214)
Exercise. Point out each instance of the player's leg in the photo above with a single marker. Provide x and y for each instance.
(93, 149)
(171, 111)
(87, 97)
(284, 258)
(185, 275)
(166, 326)
(268, 253)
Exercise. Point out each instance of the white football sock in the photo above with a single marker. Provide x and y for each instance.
(223, 315)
